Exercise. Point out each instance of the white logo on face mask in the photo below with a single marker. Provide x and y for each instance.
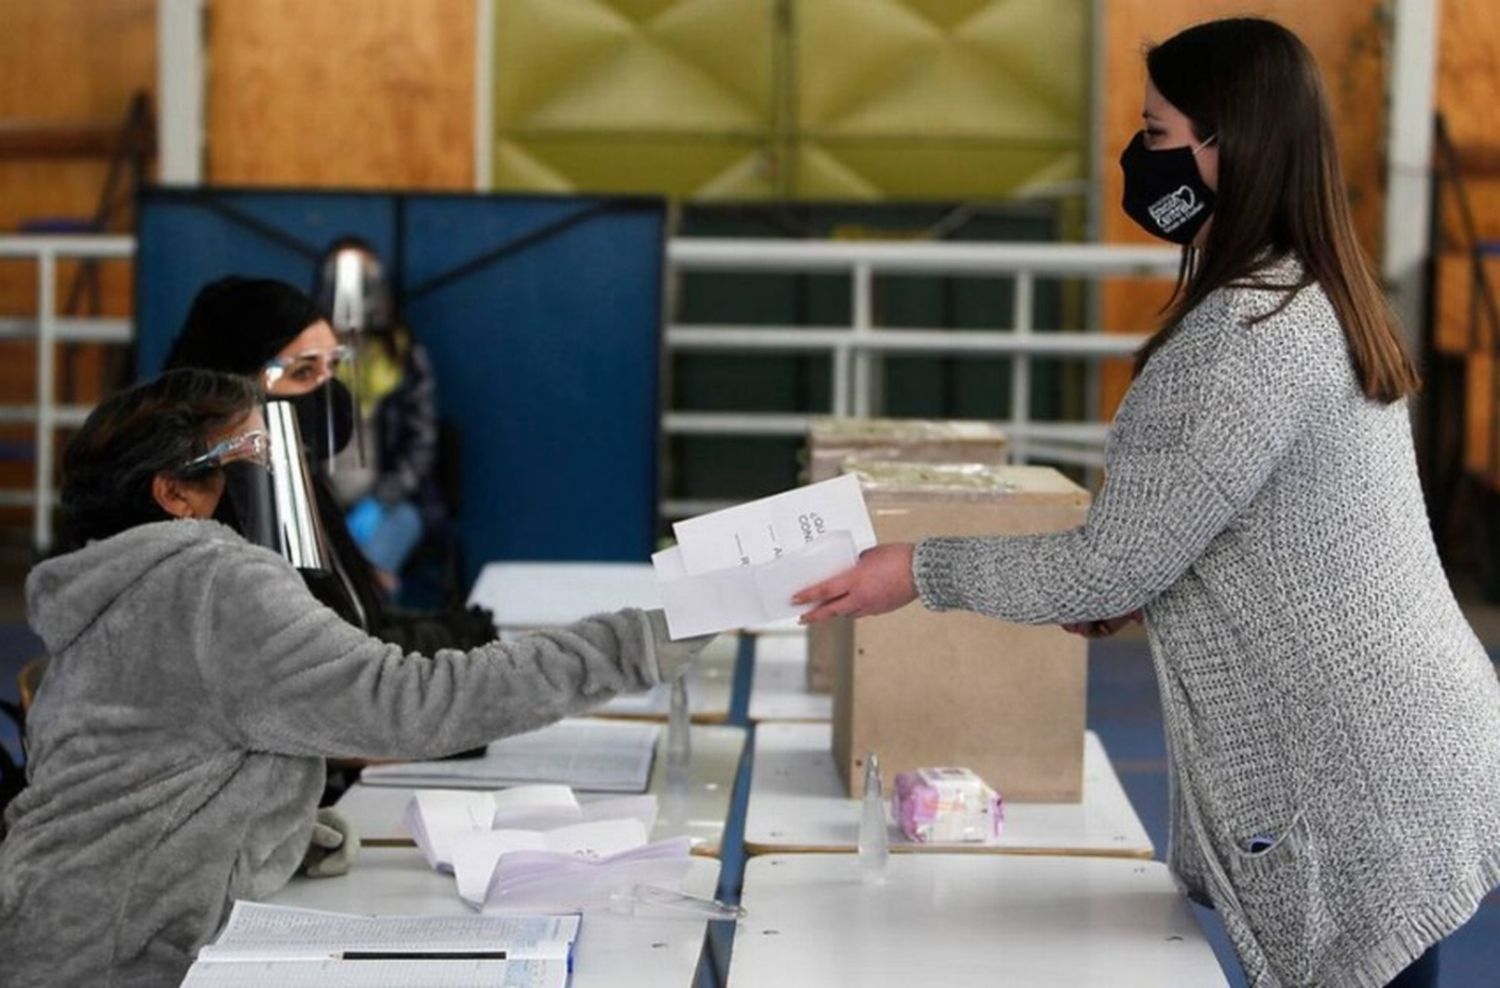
(1171, 211)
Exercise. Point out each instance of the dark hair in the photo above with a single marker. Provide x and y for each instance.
(236, 325)
(1254, 87)
(132, 436)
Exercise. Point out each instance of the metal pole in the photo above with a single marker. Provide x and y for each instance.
(1409, 132)
(484, 95)
(1020, 366)
(860, 283)
(841, 359)
(179, 90)
(46, 331)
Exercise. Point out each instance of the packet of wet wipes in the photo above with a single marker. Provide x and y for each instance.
(947, 805)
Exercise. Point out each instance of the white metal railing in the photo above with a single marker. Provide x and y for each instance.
(48, 329)
(854, 348)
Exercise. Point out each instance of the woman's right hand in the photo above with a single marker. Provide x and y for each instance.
(1105, 628)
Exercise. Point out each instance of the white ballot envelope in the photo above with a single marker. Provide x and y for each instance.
(766, 530)
(745, 596)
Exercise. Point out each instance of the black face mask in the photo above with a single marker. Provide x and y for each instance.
(325, 418)
(247, 504)
(1164, 192)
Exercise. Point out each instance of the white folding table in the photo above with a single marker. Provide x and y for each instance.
(966, 920)
(798, 803)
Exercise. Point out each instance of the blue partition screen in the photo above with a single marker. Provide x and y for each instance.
(542, 316)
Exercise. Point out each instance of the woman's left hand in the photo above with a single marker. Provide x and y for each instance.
(881, 581)
(333, 845)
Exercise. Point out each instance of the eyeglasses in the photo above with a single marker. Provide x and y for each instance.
(253, 446)
(307, 369)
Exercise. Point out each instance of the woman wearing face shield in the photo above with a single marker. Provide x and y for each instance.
(196, 686)
(274, 333)
(1333, 723)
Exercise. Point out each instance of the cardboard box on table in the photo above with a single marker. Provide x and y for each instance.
(925, 689)
(832, 441)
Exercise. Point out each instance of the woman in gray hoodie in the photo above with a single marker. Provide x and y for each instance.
(196, 686)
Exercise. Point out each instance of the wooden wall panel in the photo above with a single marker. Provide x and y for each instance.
(1348, 39)
(1480, 402)
(1468, 96)
(342, 93)
(62, 62)
(1468, 83)
(74, 61)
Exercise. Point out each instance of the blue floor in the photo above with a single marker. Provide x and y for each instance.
(1125, 712)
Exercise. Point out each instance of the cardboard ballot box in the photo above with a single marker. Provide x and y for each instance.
(832, 441)
(922, 688)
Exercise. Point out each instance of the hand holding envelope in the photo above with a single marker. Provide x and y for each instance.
(882, 581)
(741, 567)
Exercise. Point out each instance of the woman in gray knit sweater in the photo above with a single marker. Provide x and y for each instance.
(196, 686)
(1332, 721)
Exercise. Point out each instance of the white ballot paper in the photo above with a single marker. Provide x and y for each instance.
(436, 817)
(478, 854)
(592, 755)
(746, 596)
(548, 881)
(739, 567)
(766, 530)
(284, 946)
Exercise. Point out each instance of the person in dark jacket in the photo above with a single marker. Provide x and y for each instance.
(393, 497)
(271, 331)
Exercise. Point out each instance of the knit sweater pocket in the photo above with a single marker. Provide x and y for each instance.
(1284, 903)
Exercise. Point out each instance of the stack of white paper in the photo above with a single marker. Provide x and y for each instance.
(741, 566)
(436, 817)
(536, 848)
(592, 755)
(292, 947)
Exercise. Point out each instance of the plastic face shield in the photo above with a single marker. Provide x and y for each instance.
(268, 494)
(299, 529)
(320, 384)
(352, 290)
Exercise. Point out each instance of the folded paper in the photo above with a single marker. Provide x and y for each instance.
(768, 529)
(746, 596)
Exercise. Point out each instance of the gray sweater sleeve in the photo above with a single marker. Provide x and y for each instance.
(290, 677)
(1189, 451)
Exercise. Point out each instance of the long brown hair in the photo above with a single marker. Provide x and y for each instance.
(1254, 87)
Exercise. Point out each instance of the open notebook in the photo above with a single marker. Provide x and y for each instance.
(591, 755)
(289, 948)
